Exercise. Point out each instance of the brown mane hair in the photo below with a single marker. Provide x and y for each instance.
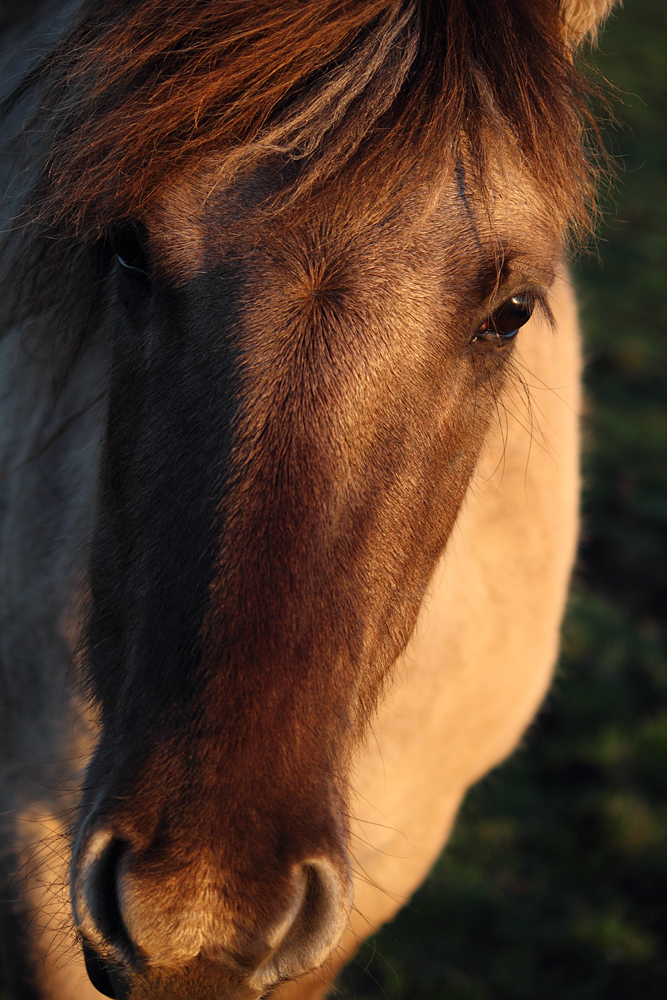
(139, 92)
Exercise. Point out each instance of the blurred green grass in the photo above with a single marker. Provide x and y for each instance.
(554, 885)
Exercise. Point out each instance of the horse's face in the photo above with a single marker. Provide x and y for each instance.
(297, 404)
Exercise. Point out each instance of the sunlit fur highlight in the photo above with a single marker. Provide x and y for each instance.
(138, 94)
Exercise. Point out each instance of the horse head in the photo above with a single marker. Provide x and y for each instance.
(311, 297)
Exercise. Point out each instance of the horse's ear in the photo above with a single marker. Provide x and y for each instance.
(583, 17)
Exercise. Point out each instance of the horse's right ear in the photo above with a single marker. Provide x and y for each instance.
(584, 17)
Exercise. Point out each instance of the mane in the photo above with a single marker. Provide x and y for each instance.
(138, 93)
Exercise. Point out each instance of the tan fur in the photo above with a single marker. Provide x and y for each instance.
(481, 657)
(469, 683)
(484, 650)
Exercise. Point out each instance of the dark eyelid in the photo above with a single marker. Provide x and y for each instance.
(509, 273)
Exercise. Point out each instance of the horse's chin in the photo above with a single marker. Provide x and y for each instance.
(200, 979)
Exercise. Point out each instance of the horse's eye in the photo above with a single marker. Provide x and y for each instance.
(506, 321)
(128, 245)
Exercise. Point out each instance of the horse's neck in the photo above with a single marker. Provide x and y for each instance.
(15, 17)
(32, 20)
(25, 38)
(49, 455)
(27, 32)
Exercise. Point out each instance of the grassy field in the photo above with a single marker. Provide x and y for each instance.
(554, 886)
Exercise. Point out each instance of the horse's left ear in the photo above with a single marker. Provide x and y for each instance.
(583, 17)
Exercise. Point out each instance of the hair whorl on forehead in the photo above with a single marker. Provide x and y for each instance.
(140, 92)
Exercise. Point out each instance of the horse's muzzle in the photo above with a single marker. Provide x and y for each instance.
(202, 935)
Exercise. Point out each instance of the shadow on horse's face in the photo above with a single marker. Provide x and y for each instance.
(297, 403)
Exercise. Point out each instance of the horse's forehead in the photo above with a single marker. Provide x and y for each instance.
(196, 228)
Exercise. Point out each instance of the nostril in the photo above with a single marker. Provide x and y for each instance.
(318, 910)
(124, 930)
(106, 980)
(318, 924)
(97, 898)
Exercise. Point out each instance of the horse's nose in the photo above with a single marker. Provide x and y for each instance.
(131, 921)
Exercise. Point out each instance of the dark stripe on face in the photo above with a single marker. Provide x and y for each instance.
(172, 399)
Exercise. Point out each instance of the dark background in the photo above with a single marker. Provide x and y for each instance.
(554, 885)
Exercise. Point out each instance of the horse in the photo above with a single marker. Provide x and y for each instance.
(289, 439)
